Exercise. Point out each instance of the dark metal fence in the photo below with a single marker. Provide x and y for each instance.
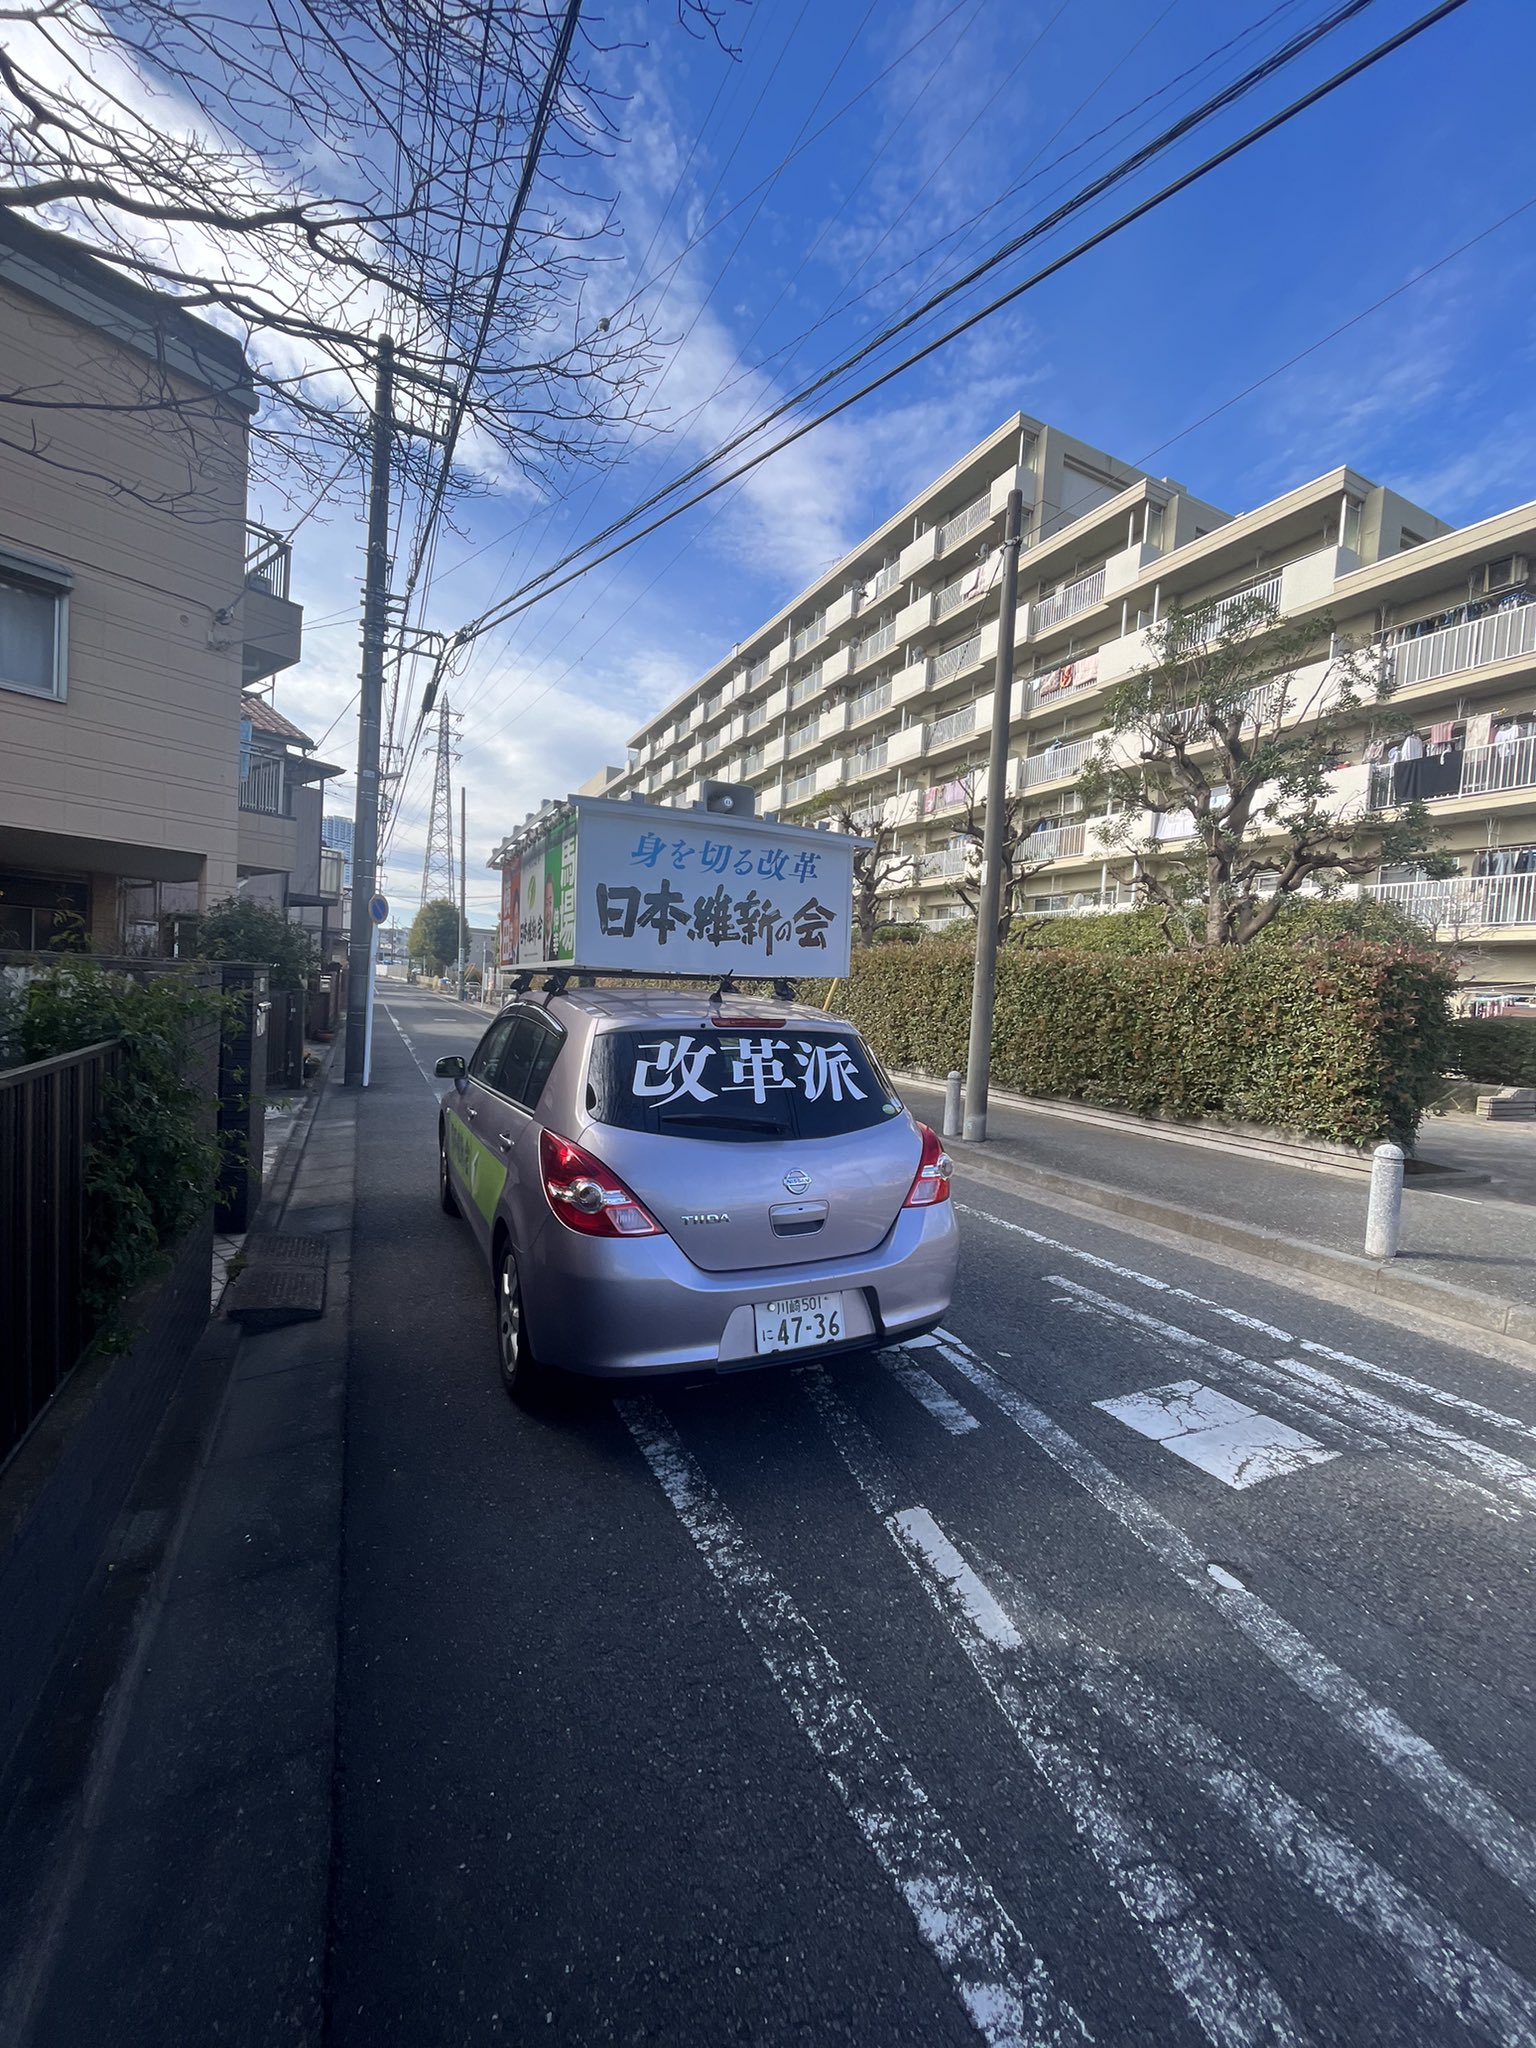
(285, 1039)
(48, 1112)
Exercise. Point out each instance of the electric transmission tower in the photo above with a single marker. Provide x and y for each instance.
(439, 869)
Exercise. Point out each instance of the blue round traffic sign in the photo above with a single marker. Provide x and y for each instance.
(378, 908)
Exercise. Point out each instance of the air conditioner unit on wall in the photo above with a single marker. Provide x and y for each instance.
(1508, 572)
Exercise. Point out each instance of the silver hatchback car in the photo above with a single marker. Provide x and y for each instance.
(667, 1182)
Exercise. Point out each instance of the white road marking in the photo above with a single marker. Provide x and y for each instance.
(428, 1078)
(1340, 1409)
(1505, 1843)
(1479, 1989)
(1402, 1381)
(1227, 1993)
(1001, 1982)
(1231, 1441)
(1497, 1466)
(923, 1387)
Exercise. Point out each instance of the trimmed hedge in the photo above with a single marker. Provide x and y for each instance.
(1497, 1049)
(1343, 1041)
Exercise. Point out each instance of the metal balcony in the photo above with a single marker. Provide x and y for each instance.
(1080, 596)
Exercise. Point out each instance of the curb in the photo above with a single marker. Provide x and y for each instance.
(1378, 1285)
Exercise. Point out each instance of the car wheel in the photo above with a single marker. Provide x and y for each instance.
(445, 1193)
(521, 1373)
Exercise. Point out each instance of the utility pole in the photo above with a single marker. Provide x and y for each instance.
(463, 901)
(978, 1072)
(365, 832)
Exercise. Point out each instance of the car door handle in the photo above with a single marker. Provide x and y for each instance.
(471, 1113)
(506, 1141)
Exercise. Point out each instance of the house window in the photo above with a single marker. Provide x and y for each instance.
(1349, 525)
(34, 613)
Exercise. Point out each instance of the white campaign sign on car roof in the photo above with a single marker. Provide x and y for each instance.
(663, 891)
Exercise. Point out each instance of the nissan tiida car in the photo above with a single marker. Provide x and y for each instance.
(669, 1183)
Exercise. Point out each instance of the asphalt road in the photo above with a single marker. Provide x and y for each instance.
(908, 1701)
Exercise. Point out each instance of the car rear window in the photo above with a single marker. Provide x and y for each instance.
(738, 1086)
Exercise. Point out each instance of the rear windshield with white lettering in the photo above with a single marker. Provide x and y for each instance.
(740, 1086)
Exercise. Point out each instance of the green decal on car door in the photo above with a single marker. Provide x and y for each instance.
(480, 1171)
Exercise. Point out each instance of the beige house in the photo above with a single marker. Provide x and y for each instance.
(136, 603)
(872, 689)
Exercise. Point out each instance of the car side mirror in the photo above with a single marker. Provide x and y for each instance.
(451, 1067)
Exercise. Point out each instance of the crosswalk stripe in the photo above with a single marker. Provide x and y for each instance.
(1001, 1982)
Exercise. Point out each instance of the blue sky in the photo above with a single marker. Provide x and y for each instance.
(1128, 348)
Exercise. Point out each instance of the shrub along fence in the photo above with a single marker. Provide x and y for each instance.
(1340, 1041)
(1497, 1049)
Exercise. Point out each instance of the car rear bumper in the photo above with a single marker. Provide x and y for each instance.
(619, 1308)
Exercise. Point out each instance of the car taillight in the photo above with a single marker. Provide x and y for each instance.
(931, 1181)
(586, 1196)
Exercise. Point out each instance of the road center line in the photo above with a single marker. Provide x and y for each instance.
(1505, 1843)
(1001, 1982)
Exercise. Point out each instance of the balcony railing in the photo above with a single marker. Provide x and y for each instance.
(803, 691)
(1066, 681)
(799, 787)
(263, 787)
(868, 760)
(1055, 762)
(268, 560)
(869, 703)
(952, 727)
(885, 582)
(1462, 902)
(758, 672)
(808, 637)
(757, 716)
(954, 594)
(1213, 618)
(1058, 842)
(752, 761)
(966, 522)
(953, 861)
(805, 737)
(954, 659)
(1478, 771)
(1497, 636)
(883, 637)
(1077, 597)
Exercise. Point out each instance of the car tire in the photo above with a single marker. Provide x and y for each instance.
(445, 1194)
(526, 1380)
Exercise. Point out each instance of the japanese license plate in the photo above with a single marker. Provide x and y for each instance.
(798, 1321)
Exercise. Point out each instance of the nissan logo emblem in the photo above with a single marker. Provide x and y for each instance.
(796, 1181)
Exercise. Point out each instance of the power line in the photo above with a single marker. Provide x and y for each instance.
(542, 587)
(554, 618)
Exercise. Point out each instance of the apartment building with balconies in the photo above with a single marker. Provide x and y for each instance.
(873, 690)
(137, 605)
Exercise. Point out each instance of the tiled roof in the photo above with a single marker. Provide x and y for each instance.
(264, 719)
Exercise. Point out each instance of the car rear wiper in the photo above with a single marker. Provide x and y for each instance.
(725, 1123)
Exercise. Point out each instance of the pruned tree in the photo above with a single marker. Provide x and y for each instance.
(310, 172)
(1217, 770)
(1019, 864)
(879, 869)
(438, 934)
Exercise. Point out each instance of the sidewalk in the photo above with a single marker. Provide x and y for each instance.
(1468, 1247)
(171, 1858)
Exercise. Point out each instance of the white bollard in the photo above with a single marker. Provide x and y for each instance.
(953, 1113)
(1383, 1218)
